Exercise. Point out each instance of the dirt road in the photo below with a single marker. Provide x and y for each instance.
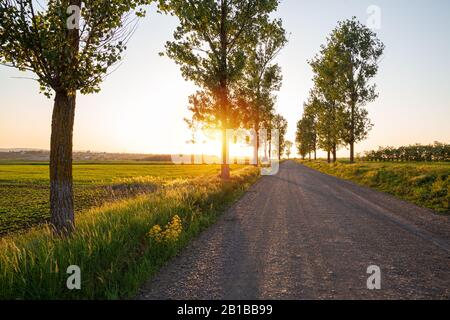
(306, 235)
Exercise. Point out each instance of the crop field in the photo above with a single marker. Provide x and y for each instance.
(426, 184)
(24, 187)
(119, 245)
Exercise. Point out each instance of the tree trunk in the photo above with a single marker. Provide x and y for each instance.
(329, 157)
(352, 152)
(257, 126)
(352, 133)
(279, 154)
(256, 151)
(225, 169)
(270, 147)
(334, 154)
(61, 185)
(61, 145)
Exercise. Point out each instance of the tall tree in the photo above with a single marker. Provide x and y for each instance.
(288, 148)
(306, 135)
(310, 117)
(69, 51)
(356, 51)
(210, 44)
(261, 77)
(325, 100)
(266, 118)
(323, 126)
(279, 123)
(301, 139)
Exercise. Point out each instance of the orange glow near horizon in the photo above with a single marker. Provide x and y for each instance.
(209, 143)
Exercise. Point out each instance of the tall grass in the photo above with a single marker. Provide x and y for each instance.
(425, 184)
(111, 244)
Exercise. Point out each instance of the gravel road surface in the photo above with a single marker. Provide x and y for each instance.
(306, 235)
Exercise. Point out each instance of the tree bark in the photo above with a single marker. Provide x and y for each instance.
(61, 144)
(352, 135)
(352, 152)
(225, 170)
(270, 144)
(61, 185)
(352, 132)
(256, 151)
(279, 153)
(329, 157)
(257, 126)
(334, 154)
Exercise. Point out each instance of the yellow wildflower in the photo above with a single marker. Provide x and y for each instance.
(171, 231)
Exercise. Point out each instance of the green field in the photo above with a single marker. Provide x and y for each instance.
(423, 183)
(114, 245)
(24, 187)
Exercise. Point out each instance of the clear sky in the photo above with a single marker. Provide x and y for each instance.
(142, 105)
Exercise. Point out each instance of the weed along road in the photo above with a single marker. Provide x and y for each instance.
(306, 235)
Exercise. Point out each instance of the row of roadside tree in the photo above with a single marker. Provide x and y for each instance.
(334, 115)
(226, 48)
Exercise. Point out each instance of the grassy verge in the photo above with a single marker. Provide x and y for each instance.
(425, 184)
(115, 246)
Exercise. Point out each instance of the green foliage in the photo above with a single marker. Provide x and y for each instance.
(306, 135)
(111, 244)
(426, 185)
(324, 101)
(36, 38)
(356, 51)
(288, 148)
(208, 52)
(210, 45)
(342, 73)
(435, 152)
(261, 77)
(279, 123)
